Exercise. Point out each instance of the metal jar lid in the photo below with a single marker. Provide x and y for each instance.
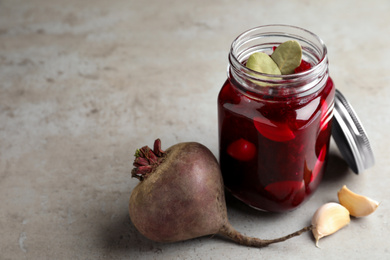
(350, 137)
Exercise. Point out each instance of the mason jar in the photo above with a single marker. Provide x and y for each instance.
(274, 130)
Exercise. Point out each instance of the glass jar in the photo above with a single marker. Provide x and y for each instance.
(274, 130)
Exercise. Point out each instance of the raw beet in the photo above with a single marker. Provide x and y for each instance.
(181, 196)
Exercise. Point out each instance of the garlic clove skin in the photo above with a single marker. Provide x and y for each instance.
(357, 205)
(328, 219)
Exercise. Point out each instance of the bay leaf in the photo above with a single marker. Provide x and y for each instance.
(262, 62)
(288, 56)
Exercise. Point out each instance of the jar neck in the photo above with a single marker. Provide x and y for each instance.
(263, 39)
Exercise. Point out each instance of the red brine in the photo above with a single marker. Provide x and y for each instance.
(273, 148)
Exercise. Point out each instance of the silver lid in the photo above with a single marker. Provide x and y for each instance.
(350, 137)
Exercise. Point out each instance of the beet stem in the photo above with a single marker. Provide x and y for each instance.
(146, 160)
(231, 233)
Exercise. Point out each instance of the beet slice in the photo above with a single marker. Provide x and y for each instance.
(275, 131)
(242, 150)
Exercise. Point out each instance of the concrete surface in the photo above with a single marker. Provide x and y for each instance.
(85, 83)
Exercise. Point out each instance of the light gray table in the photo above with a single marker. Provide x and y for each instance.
(85, 83)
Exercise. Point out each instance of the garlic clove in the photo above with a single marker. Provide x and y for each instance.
(357, 205)
(328, 219)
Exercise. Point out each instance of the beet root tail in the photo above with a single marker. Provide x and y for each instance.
(231, 233)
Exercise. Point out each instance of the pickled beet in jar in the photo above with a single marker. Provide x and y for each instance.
(274, 130)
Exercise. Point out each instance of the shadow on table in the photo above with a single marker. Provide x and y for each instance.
(121, 235)
(122, 238)
(337, 169)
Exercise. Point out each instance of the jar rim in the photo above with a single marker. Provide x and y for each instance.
(312, 46)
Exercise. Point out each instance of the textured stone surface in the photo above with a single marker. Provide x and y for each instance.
(85, 83)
